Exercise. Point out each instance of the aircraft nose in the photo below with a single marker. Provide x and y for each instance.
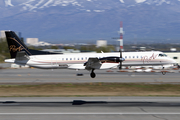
(173, 61)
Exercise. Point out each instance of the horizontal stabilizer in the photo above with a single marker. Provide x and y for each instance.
(21, 56)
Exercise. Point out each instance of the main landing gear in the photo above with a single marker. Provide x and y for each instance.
(93, 75)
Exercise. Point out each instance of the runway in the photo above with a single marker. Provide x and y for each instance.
(98, 108)
(65, 75)
(87, 108)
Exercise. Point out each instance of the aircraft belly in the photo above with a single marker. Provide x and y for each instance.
(48, 66)
(76, 66)
(108, 65)
(141, 63)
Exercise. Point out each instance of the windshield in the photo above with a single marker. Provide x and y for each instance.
(162, 55)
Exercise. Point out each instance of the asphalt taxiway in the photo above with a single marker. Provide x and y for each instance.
(98, 108)
(82, 76)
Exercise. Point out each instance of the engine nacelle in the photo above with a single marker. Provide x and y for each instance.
(111, 59)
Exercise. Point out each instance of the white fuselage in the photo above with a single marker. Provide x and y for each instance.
(76, 61)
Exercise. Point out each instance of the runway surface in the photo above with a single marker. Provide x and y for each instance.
(88, 108)
(82, 76)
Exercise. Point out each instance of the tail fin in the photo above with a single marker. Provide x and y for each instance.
(15, 45)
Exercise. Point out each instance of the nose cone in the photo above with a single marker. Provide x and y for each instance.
(122, 59)
(173, 61)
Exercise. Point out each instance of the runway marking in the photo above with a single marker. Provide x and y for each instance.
(89, 113)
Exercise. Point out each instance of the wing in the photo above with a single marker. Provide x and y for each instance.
(93, 63)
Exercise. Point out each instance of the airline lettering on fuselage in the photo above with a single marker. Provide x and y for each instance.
(148, 59)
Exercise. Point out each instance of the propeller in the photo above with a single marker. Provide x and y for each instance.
(121, 59)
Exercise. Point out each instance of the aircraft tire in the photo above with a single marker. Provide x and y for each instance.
(93, 75)
(163, 73)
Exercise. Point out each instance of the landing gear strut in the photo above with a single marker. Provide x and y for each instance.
(93, 75)
(163, 72)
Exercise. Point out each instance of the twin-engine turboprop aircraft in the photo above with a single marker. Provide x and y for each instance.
(20, 54)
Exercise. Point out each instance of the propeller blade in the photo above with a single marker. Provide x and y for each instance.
(120, 53)
(120, 65)
(120, 62)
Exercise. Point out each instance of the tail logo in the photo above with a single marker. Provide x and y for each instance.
(13, 48)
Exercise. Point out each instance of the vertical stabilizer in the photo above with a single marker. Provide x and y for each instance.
(15, 44)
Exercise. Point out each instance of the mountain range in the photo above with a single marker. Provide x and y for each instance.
(72, 21)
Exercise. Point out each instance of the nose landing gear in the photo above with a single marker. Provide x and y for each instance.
(163, 72)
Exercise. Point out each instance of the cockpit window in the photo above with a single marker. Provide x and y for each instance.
(165, 55)
(162, 55)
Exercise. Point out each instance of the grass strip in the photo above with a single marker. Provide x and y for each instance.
(89, 89)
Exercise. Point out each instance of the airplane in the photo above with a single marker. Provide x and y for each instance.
(21, 55)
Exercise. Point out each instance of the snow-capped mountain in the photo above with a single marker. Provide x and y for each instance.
(92, 19)
(157, 2)
(81, 4)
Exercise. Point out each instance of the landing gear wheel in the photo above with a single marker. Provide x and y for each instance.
(163, 73)
(93, 75)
